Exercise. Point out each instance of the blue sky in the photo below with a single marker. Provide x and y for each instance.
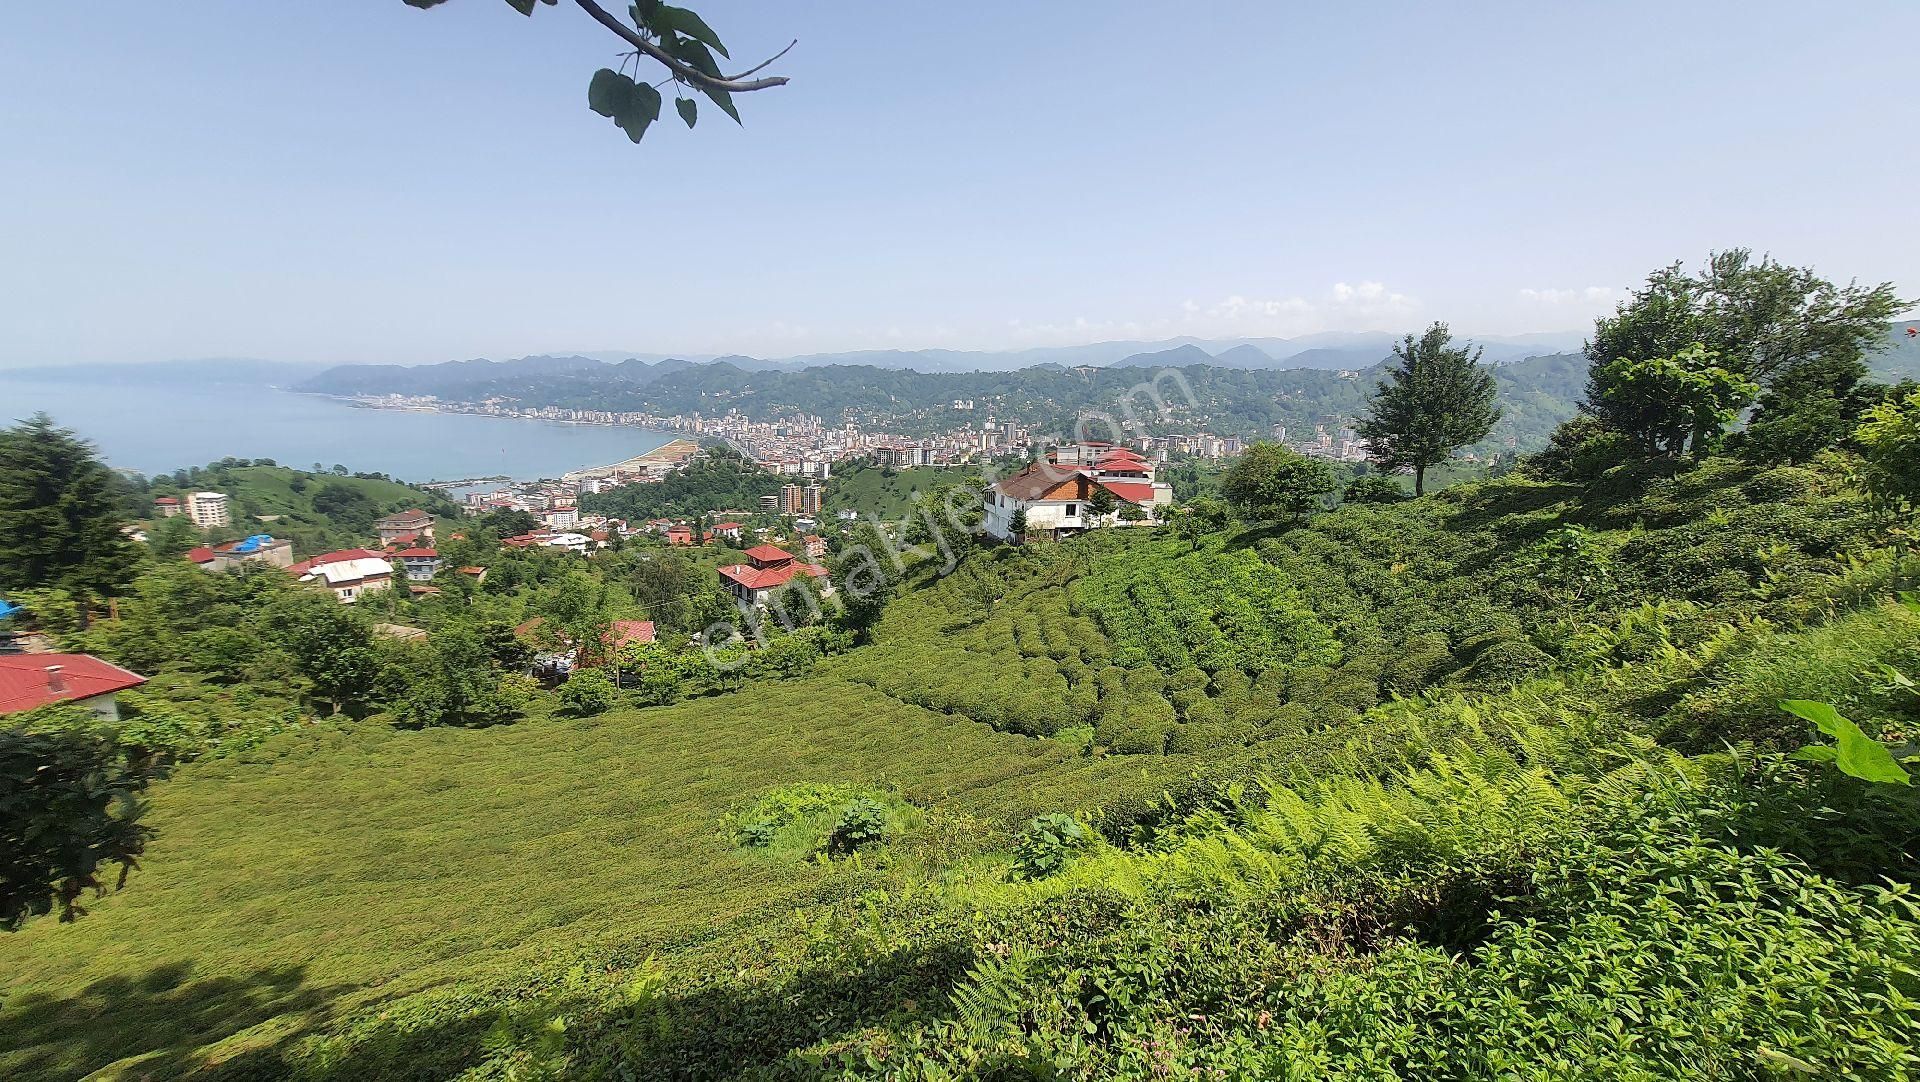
(357, 180)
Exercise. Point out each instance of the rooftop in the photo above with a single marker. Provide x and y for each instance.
(25, 682)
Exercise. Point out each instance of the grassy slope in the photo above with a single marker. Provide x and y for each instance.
(366, 866)
(268, 491)
(395, 865)
(874, 491)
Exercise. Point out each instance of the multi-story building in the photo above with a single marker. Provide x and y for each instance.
(800, 499)
(209, 509)
(405, 527)
(166, 507)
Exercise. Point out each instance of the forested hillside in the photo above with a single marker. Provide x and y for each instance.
(318, 510)
(1540, 391)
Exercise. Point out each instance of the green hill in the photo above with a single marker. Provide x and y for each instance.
(318, 511)
(1486, 784)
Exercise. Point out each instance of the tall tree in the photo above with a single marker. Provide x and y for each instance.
(59, 524)
(1437, 398)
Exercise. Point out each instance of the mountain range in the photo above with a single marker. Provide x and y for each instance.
(1325, 352)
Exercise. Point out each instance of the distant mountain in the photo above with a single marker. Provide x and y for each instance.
(229, 371)
(1243, 356)
(1179, 357)
(1328, 351)
(1900, 357)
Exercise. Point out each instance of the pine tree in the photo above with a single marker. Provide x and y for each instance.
(59, 523)
(1437, 398)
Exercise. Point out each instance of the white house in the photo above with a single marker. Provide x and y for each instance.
(349, 573)
(1056, 496)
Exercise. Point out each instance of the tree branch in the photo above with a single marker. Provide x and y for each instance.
(735, 85)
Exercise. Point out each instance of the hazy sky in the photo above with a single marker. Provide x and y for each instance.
(357, 180)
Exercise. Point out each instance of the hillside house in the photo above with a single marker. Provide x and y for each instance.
(349, 573)
(29, 681)
(405, 527)
(767, 570)
(419, 564)
(1057, 494)
(166, 507)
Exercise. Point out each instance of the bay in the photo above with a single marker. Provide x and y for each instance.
(154, 429)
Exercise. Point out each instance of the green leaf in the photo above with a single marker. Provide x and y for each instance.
(646, 100)
(1816, 753)
(689, 110)
(693, 26)
(609, 93)
(1855, 753)
(524, 7)
(1823, 715)
(724, 100)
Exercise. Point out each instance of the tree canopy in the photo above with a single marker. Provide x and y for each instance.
(1437, 397)
(59, 522)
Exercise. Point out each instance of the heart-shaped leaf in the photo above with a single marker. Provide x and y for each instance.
(609, 93)
(689, 110)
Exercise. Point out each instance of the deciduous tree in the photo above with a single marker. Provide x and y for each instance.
(1269, 483)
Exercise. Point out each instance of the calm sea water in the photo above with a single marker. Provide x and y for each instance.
(160, 429)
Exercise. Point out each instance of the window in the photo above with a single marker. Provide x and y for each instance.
(1073, 509)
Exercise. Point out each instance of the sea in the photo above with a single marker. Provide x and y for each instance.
(154, 429)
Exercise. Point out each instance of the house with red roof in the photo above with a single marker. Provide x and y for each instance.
(349, 573)
(767, 570)
(28, 681)
(166, 506)
(1057, 497)
(227, 555)
(679, 535)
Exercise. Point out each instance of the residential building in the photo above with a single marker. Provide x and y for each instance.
(349, 573)
(209, 509)
(258, 549)
(800, 499)
(767, 570)
(405, 527)
(1057, 498)
(166, 507)
(562, 518)
(816, 546)
(419, 564)
(29, 681)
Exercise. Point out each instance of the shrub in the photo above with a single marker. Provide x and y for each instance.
(1505, 664)
(862, 823)
(587, 692)
(1047, 843)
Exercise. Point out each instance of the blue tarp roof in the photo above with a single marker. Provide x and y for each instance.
(8, 608)
(253, 544)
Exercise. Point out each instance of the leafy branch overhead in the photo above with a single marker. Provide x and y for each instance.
(677, 39)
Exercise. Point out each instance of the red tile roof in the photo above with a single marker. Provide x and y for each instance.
(168, 500)
(766, 578)
(25, 682)
(200, 554)
(623, 632)
(424, 554)
(1045, 481)
(1130, 491)
(764, 555)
